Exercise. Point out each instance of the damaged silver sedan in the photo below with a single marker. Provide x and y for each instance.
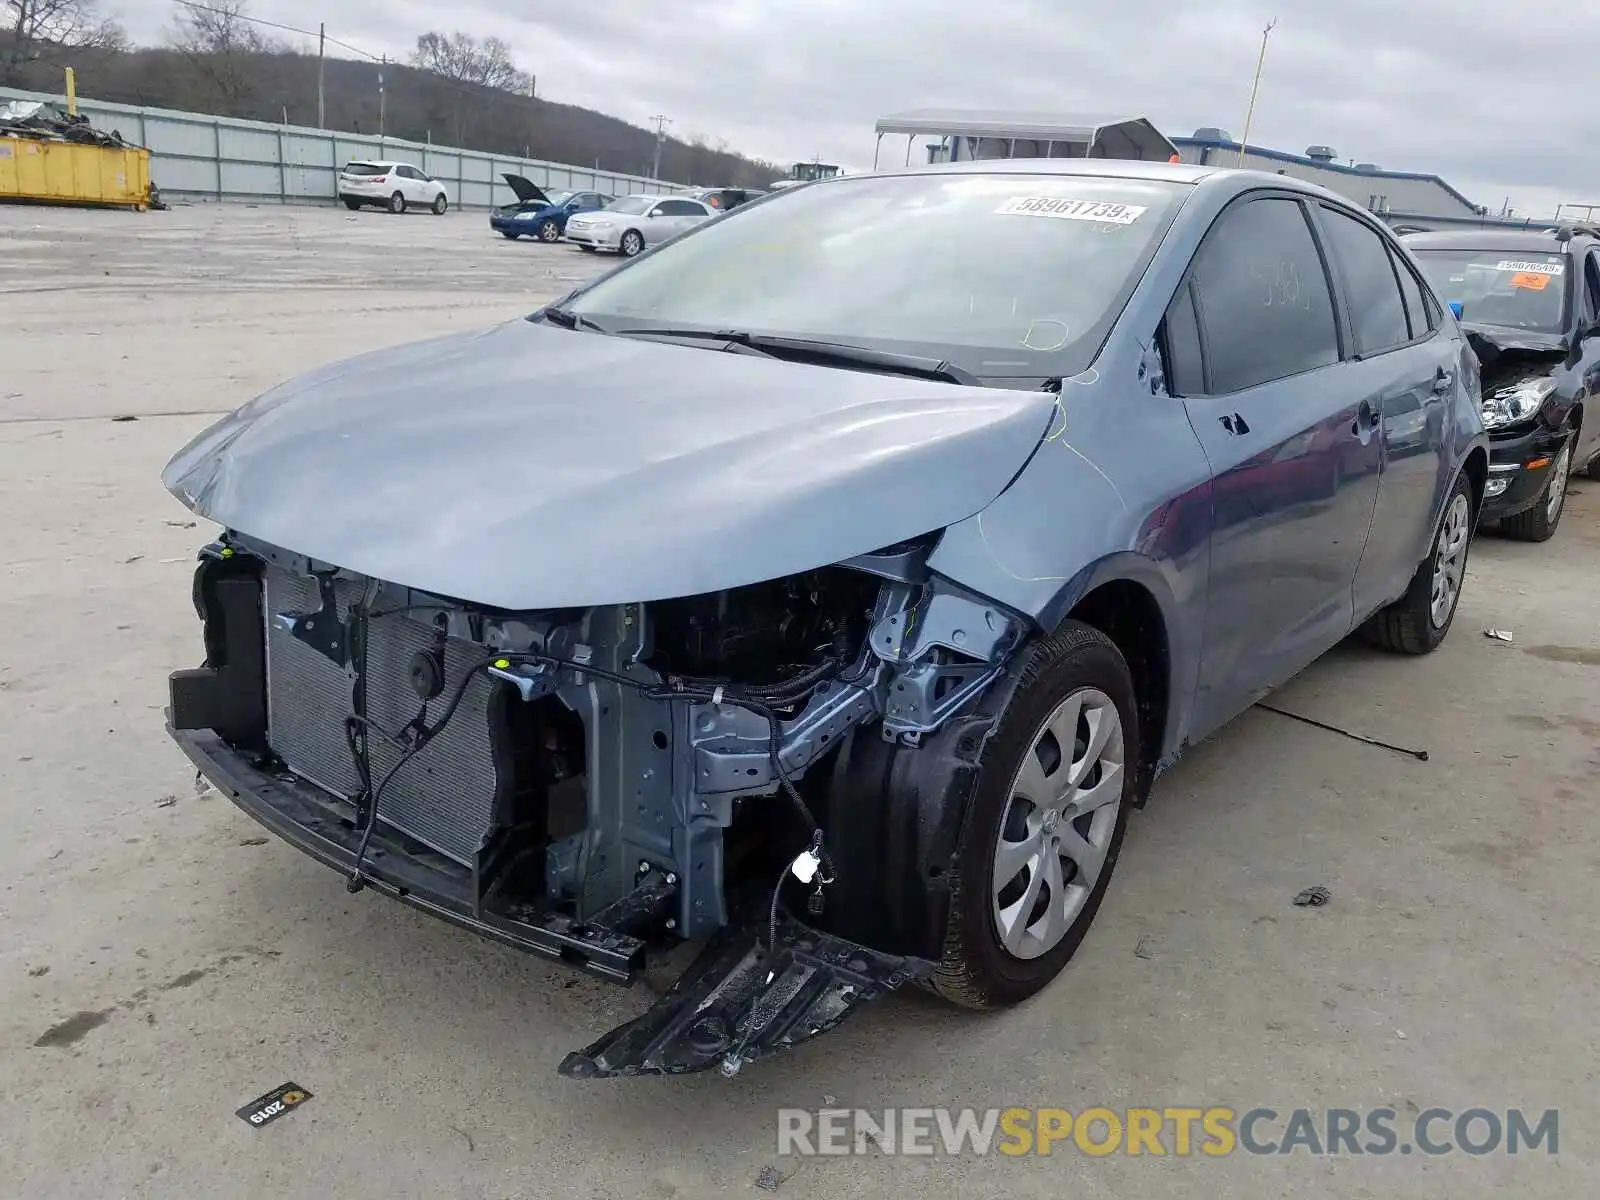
(825, 586)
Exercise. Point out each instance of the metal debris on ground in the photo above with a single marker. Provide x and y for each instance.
(1313, 897)
(769, 1179)
(1499, 635)
(1143, 948)
(1419, 755)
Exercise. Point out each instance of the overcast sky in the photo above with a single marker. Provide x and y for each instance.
(1496, 98)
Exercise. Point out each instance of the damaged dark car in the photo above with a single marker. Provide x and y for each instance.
(824, 587)
(1530, 303)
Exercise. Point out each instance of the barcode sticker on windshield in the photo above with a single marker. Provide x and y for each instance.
(1071, 210)
(1538, 268)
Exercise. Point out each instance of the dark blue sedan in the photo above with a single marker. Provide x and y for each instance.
(829, 581)
(536, 214)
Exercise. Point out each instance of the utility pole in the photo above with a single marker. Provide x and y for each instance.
(661, 137)
(382, 63)
(322, 45)
(1250, 111)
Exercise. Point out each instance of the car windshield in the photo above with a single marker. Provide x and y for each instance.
(1001, 274)
(560, 198)
(1516, 289)
(361, 168)
(631, 204)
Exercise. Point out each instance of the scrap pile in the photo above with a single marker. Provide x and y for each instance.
(41, 122)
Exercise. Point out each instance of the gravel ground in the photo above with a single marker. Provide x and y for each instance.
(162, 962)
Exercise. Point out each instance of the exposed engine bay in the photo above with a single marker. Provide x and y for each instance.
(588, 784)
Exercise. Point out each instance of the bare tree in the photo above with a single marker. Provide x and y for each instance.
(40, 29)
(464, 62)
(221, 43)
(462, 58)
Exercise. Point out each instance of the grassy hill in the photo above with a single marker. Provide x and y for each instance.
(418, 105)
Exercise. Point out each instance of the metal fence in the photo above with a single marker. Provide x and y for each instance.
(198, 157)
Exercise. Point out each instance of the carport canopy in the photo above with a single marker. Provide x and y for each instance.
(1003, 133)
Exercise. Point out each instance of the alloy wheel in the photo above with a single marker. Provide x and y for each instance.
(1556, 493)
(1450, 560)
(1058, 824)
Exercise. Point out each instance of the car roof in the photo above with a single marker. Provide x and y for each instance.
(1115, 168)
(1492, 239)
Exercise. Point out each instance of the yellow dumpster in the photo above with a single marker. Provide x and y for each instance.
(74, 173)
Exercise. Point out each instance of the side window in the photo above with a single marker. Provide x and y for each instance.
(1185, 370)
(1418, 311)
(1591, 275)
(681, 208)
(1377, 313)
(1261, 297)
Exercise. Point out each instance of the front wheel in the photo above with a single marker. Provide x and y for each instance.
(509, 235)
(1419, 620)
(587, 249)
(632, 243)
(397, 203)
(440, 203)
(548, 230)
(1055, 784)
(1538, 524)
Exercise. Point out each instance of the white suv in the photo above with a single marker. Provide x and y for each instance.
(394, 185)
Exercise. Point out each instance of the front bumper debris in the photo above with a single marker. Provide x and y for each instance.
(720, 1013)
(1514, 486)
(740, 1001)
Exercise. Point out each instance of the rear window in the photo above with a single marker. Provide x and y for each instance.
(367, 169)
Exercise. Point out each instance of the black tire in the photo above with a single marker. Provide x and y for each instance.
(549, 231)
(352, 205)
(1537, 523)
(585, 248)
(509, 235)
(440, 203)
(1407, 626)
(631, 245)
(397, 203)
(975, 970)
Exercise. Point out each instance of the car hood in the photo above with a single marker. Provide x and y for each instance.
(525, 189)
(600, 216)
(529, 466)
(1488, 340)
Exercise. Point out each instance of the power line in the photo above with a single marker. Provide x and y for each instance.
(310, 33)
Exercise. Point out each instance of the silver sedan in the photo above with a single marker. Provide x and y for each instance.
(632, 223)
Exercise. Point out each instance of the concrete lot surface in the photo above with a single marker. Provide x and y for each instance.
(162, 961)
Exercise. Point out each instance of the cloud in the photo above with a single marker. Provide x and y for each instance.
(1492, 98)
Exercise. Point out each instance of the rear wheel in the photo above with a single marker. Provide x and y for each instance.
(549, 231)
(440, 203)
(632, 242)
(1055, 785)
(1538, 524)
(352, 205)
(1419, 620)
(397, 203)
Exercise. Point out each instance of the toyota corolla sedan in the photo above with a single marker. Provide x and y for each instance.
(635, 223)
(825, 586)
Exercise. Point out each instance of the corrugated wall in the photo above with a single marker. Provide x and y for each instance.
(1398, 195)
(196, 157)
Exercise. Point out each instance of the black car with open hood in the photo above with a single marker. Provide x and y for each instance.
(1530, 304)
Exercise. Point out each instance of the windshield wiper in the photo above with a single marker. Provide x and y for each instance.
(823, 352)
(570, 320)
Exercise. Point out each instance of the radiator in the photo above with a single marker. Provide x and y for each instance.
(444, 797)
